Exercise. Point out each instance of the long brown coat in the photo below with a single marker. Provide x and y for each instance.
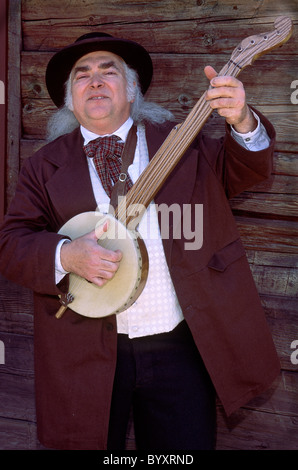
(75, 356)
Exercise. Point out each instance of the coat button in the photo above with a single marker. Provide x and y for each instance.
(109, 326)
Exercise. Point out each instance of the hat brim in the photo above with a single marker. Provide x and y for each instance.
(61, 64)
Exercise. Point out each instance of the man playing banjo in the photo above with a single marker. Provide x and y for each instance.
(197, 330)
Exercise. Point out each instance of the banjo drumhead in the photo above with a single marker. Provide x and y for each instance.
(122, 290)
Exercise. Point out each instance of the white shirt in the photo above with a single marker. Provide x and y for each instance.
(157, 309)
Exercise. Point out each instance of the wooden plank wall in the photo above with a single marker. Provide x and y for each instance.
(3, 86)
(182, 37)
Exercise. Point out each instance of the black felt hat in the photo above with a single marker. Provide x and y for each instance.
(61, 64)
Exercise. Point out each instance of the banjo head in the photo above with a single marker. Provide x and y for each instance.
(124, 288)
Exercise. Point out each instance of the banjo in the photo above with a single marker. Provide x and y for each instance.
(124, 288)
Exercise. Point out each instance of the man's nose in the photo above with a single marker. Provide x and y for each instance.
(96, 81)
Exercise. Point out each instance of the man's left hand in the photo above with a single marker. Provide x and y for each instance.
(228, 97)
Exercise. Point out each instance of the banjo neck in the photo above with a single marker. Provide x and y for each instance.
(132, 206)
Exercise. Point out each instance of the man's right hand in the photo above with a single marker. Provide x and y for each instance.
(86, 258)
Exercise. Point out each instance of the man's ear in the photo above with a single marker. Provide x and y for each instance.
(133, 99)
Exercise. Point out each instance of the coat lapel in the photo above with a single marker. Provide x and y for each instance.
(70, 187)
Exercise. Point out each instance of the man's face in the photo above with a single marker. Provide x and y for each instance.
(99, 92)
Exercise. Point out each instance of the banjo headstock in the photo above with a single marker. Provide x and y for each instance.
(252, 47)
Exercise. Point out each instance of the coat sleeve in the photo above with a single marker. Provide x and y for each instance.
(28, 238)
(239, 168)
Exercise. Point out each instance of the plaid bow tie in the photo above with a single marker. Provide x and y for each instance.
(107, 152)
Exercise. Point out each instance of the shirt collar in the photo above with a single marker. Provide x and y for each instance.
(121, 132)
